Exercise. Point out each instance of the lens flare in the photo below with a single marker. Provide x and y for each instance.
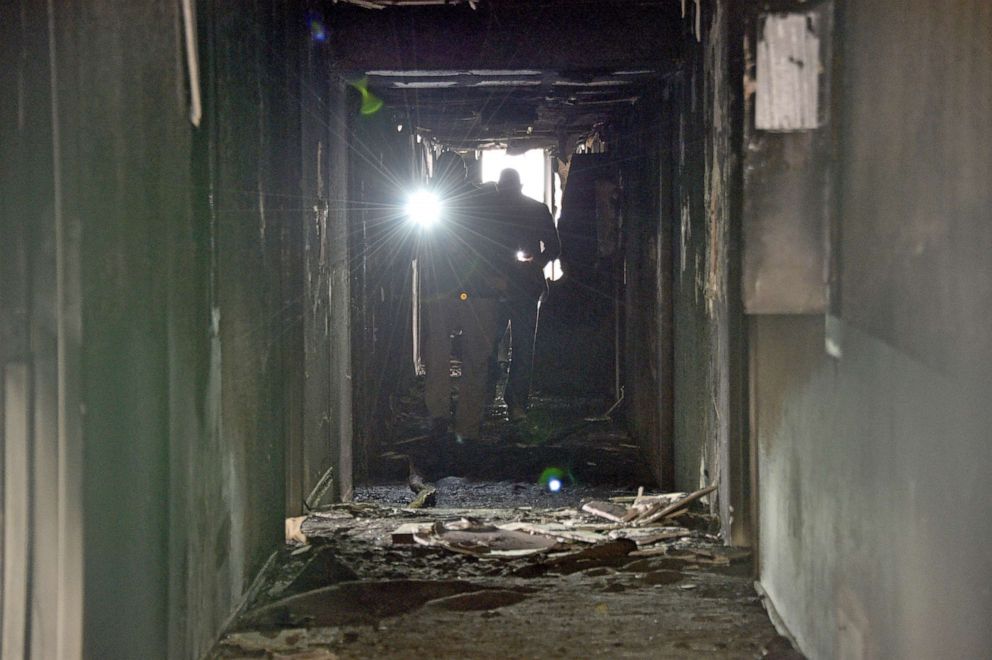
(423, 209)
(318, 30)
(371, 103)
(553, 478)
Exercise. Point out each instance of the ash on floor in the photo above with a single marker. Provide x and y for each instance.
(466, 493)
(361, 587)
(503, 566)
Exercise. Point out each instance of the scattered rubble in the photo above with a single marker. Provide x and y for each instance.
(629, 529)
(472, 566)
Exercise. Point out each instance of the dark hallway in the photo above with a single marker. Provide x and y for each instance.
(773, 297)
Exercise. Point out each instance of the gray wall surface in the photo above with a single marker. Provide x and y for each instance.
(873, 482)
(706, 307)
(646, 169)
(873, 468)
(153, 284)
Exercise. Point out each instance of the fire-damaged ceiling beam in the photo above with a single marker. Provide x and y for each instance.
(500, 107)
(568, 38)
(511, 72)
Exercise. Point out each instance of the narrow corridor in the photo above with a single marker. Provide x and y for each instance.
(774, 290)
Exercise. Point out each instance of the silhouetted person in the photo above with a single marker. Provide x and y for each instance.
(529, 232)
(462, 289)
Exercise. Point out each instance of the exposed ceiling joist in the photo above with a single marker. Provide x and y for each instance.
(511, 72)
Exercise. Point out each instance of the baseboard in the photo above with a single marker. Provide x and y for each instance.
(775, 617)
(319, 492)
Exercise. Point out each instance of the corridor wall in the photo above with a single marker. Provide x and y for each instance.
(152, 297)
(873, 459)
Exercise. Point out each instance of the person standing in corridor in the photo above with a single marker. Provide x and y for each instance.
(462, 288)
(531, 240)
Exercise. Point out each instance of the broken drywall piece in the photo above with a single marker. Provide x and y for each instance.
(662, 576)
(644, 536)
(557, 531)
(607, 510)
(403, 535)
(308, 654)
(476, 538)
(294, 533)
(788, 74)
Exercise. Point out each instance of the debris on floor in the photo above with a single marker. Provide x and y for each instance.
(389, 581)
(477, 538)
(426, 493)
(538, 548)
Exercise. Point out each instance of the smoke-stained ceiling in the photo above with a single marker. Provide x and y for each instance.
(506, 72)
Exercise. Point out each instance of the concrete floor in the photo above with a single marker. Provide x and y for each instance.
(351, 592)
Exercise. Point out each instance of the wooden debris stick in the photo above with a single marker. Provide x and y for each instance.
(608, 510)
(414, 480)
(650, 515)
(426, 492)
(645, 503)
(626, 499)
(403, 535)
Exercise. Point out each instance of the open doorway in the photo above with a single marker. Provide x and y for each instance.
(540, 182)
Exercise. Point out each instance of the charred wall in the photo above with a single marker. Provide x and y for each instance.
(153, 283)
(646, 146)
(684, 336)
(873, 503)
(385, 166)
(707, 395)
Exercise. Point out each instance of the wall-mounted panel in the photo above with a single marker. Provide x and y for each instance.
(787, 169)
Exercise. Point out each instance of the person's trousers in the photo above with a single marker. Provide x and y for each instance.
(523, 331)
(481, 321)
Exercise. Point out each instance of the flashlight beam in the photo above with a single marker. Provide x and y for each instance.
(423, 209)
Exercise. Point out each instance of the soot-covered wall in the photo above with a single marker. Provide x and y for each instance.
(684, 341)
(385, 166)
(707, 371)
(162, 268)
(873, 466)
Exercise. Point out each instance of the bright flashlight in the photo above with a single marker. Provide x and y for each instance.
(523, 256)
(423, 208)
(554, 485)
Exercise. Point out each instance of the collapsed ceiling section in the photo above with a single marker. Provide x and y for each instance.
(508, 73)
(515, 109)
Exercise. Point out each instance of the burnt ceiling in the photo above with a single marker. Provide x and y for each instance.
(507, 73)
